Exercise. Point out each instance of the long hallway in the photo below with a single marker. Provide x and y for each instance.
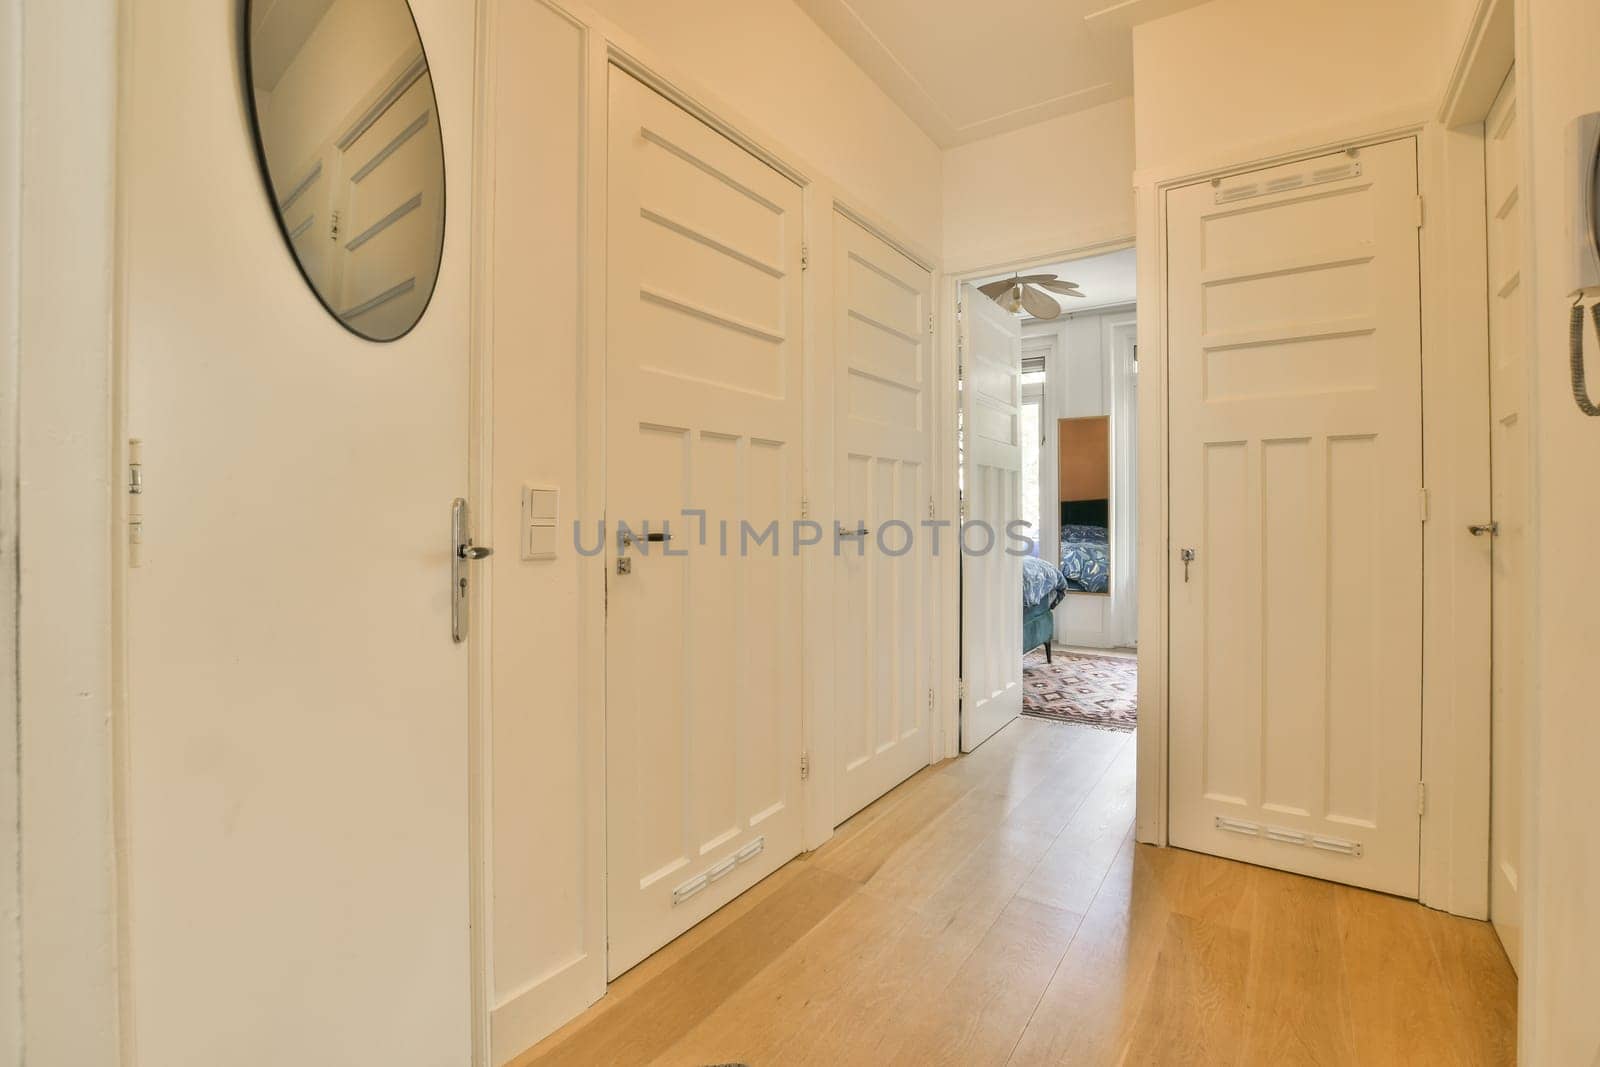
(994, 909)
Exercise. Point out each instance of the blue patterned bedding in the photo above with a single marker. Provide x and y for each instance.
(1086, 558)
(1042, 582)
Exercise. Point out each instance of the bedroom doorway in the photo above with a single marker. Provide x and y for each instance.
(1076, 431)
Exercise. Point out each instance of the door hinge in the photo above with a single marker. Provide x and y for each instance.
(1424, 498)
(931, 512)
(135, 502)
(930, 325)
(961, 689)
(1420, 214)
(805, 766)
(805, 257)
(805, 507)
(1422, 798)
(963, 509)
(930, 702)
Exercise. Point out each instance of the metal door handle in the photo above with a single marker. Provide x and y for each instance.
(840, 531)
(628, 537)
(462, 552)
(1187, 555)
(1478, 529)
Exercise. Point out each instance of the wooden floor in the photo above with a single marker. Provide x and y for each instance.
(994, 909)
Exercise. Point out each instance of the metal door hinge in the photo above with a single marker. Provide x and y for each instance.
(930, 702)
(931, 512)
(930, 325)
(805, 507)
(135, 502)
(805, 766)
(961, 689)
(805, 257)
(1422, 798)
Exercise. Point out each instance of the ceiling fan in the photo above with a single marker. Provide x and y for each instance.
(1025, 292)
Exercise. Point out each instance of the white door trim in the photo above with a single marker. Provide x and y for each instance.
(63, 513)
(1456, 471)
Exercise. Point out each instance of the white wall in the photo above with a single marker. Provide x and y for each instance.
(1558, 77)
(769, 60)
(1230, 74)
(1057, 186)
(543, 771)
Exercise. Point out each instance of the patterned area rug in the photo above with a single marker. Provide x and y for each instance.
(1098, 691)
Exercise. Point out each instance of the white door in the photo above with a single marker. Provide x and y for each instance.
(1508, 444)
(703, 413)
(991, 495)
(295, 787)
(882, 592)
(1296, 475)
(390, 206)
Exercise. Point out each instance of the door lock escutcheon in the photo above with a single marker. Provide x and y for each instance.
(1187, 555)
(462, 553)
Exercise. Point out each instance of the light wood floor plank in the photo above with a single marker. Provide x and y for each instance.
(994, 909)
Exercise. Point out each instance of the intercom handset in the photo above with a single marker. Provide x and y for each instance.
(1583, 241)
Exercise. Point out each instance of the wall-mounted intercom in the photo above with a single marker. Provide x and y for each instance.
(1583, 241)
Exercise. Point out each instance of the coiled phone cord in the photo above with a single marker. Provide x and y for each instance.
(1580, 390)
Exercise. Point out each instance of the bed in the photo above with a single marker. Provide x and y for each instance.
(1043, 587)
(1086, 558)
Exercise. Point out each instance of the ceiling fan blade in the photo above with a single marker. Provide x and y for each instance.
(1039, 304)
(1035, 279)
(1070, 288)
(994, 289)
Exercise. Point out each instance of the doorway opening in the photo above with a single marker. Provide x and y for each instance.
(1049, 359)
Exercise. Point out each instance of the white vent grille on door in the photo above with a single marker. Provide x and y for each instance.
(1318, 176)
(1285, 836)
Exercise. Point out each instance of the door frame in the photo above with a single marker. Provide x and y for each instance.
(947, 576)
(1453, 872)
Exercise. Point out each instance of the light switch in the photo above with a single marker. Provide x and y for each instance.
(541, 542)
(540, 511)
(540, 505)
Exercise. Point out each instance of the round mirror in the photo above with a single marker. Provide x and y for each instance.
(348, 135)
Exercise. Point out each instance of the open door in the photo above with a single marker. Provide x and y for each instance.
(991, 499)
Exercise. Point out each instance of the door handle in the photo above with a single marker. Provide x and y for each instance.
(1187, 555)
(1478, 529)
(840, 532)
(462, 552)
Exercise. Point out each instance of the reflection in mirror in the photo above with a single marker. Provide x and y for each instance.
(348, 135)
(1085, 483)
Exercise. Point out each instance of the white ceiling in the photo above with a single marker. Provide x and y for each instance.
(1104, 280)
(964, 71)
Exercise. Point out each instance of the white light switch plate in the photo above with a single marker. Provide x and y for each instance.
(541, 507)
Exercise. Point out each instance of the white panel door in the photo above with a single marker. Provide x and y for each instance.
(884, 445)
(1509, 450)
(703, 413)
(1296, 474)
(390, 207)
(991, 494)
(295, 791)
